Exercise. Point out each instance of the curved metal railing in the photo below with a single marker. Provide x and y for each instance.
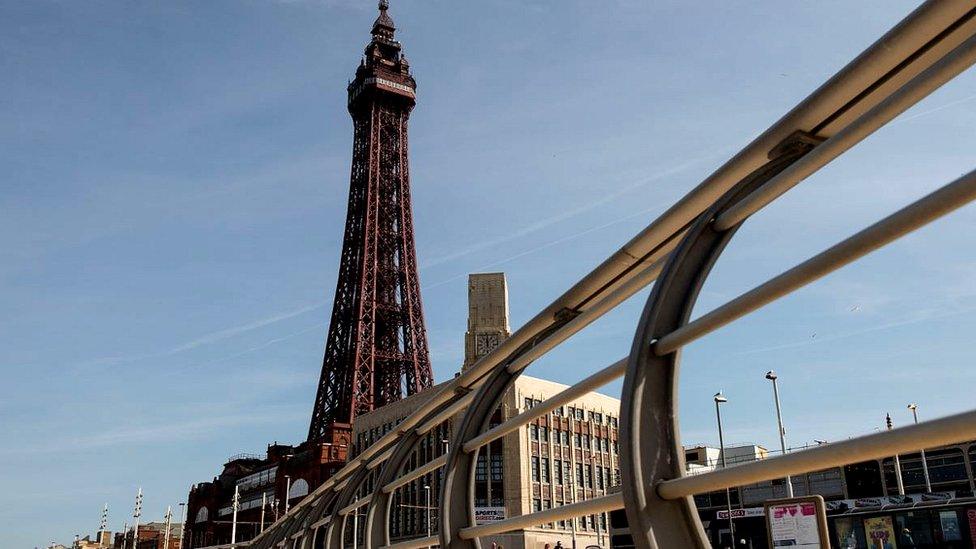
(928, 48)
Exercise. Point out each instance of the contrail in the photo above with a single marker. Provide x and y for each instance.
(569, 214)
(542, 247)
(855, 333)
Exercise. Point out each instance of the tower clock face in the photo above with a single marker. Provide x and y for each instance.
(484, 343)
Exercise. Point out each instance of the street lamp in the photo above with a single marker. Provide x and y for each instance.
(182, 524)
(771, 376)
(427, 491)
(901, 484)
(287, 492)
(720, 399)
(925, 466)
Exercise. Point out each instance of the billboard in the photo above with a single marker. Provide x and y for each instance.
(799, 523)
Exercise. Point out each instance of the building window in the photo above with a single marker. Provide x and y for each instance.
(579, 475)
(567, 473)
(576, 440)
(534, 431)
(299, 488)
(480, 469)
(599, 477)
(528, 403)
(586, 442)
(545, 470)
(544, 434)
(558, 411)
(537, 505)
(497, 466)
(535, 469)
(557, 469)
(589, 476)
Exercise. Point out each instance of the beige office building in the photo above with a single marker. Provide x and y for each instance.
(568, 455)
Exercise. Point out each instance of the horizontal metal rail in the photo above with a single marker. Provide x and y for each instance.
(569, 394)
(321, 522)
(917, 89)
(414, 543)
(602, 504)
(355, 505)
(889, 229)
(407, 478)
(446, 414)
(380, 459)
(911, 438)
(591, 315)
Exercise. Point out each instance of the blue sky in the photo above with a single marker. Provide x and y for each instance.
(173, 195)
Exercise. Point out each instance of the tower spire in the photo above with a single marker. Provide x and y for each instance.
(383, 27)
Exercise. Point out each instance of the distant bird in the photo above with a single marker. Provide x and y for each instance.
(813, 335)
(855, 308)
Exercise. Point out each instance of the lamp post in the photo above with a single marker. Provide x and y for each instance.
(169, 524)
(264, 503)
(235, 505)
(719, 400)
(925, 466)
(182, 523)
(771, 376)
(287, 492)
(427, 509)
(136, 513)
(901, 484)
(355, 525)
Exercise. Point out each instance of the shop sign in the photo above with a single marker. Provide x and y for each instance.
(799, 523)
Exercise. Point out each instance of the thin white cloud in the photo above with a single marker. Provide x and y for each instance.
(569, 214)
(157, 433)
(206, 339)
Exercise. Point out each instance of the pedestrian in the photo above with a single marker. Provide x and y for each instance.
(906, 539)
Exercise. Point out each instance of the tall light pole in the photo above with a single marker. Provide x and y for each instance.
(235, 505)
(720, 399)
(136, 513)
(264, 502)
(287, 492)
(182, 523)
(355, 525)
(901, 484)
(125, 534)
(771, 376)
(169, 524)
(925, 466)
(427, 508)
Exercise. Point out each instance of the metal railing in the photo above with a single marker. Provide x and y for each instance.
(928, 48)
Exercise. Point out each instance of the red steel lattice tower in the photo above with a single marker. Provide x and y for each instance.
(376, 351)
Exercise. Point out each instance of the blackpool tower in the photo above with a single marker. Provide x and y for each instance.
(376, 351)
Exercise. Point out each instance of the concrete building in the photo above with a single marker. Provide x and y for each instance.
(103, 540)
(152, 535)
(568, 455)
